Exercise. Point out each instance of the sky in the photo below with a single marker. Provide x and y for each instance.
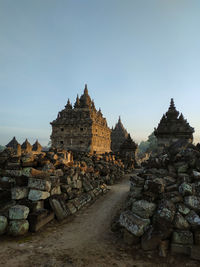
(134, 55)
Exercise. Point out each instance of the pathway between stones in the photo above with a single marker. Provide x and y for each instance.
(83, 240)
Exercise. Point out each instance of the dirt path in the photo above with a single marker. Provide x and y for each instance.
(85, 240)
(82, 240)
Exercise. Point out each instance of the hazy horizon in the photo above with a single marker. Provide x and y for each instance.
(134, 55)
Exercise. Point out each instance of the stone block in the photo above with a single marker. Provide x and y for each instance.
(55, 191)
(151, 239)
(143, 208)
(129, 238)
(185, 189)
(39, 184)
(180, 222)
(192, 202)
(3, 224)
(58, 206)
(183, 209)
(19, 192)
(18, 212)
(180, 249)
(183, 237)
(36, 195)
(71, 207)
(193, 219)
(18, 227)
(195, 253)
(133, 223)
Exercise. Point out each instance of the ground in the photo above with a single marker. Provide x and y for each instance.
(84, 239)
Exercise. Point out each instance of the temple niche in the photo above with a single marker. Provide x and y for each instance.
(118, 136)
(173, 127)
(81, 127)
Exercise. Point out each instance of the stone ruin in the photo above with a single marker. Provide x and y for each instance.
(37, 186)
(118, 135)
(173, 127)
(81, 128)
(162, 211)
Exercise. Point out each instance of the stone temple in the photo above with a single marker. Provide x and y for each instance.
(118, 135)
(173, 127)
(81, 128)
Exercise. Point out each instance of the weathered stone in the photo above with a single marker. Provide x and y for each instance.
(55, 191)
(151, 239)
(19, 192)
(59, 208)
(129, 238)
(18, 227)
(180, 222)
(192, 202)
(143, 208)
(3, 224)
(133, 223)
(183, 168)
(135, 191)
(156, 185)
(180, 249)
(71, 207)
(39, 184)
(183, 209)
(36, 195)
(183, 237)
(196, 175)
(193, 219)
(137, 181)
(186, 189)
(165, 213)
(18, 212)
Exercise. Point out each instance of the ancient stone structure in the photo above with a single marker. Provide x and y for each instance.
(128, 149)
(81, 128)
(173, 127)
(118, 136)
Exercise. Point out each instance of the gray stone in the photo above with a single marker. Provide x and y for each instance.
(183, 209)
(19, 192)
(180, 249)
(18, 212)
(133, 223)
(36, 195)
(39, 184)
(143, 208)
(183, 237)
(192, 202)
(3, 224)
(59, 208)
(180, 222)
(196, 175)
(193, 219)
(185, 189)
(71, 207)
(55, 191)
(18, 227)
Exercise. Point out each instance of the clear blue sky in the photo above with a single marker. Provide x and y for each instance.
(133, 54)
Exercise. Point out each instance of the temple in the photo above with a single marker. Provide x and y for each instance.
(81, 128)
(128, 149)
(118, 136)
(173, 127)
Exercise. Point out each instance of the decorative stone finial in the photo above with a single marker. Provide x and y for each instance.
(69, 105)
(77, 103)
(86, 90)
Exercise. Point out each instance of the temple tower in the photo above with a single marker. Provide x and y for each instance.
(173, 127)
(81, 128)
(118, 136)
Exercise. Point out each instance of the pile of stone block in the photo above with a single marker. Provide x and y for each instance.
(163, 208)
(36, 187)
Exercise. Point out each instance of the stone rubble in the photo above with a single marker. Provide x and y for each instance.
(37, 186)
(162, 210)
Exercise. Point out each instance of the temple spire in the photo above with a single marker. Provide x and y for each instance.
(69, 105)
(86, 90)
(172, 106)
(77, 103)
